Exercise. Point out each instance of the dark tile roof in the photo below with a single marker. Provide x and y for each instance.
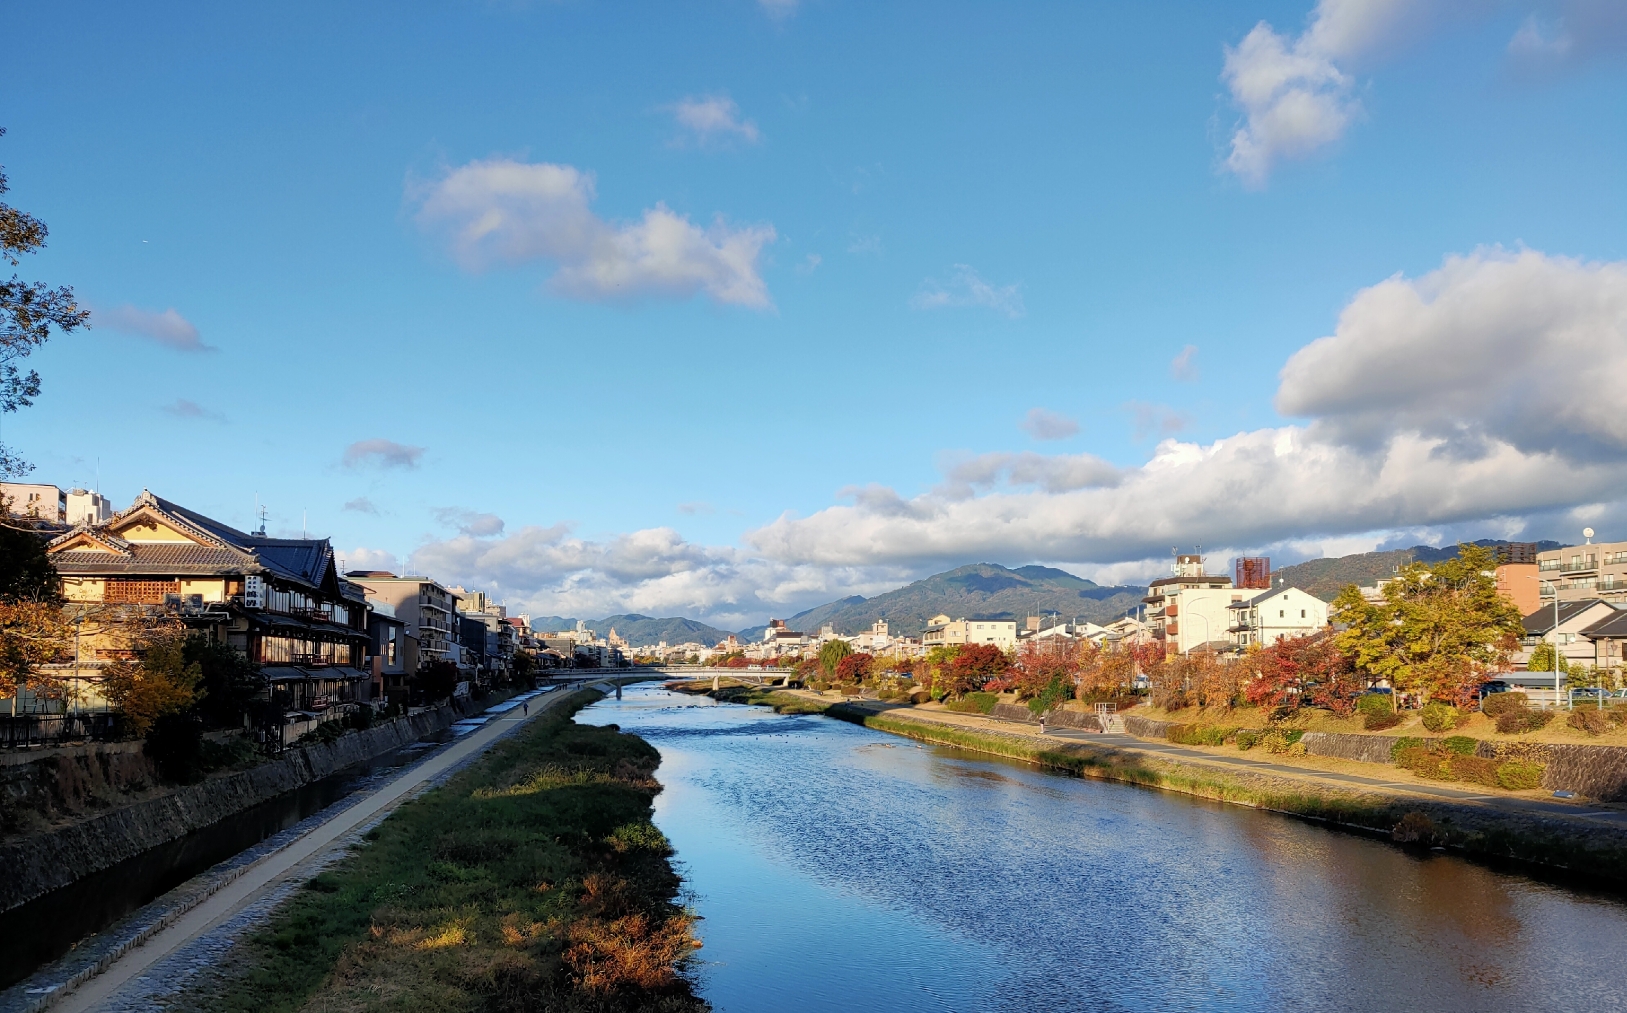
(1614, 625)
(175, 558)
(1542, 620)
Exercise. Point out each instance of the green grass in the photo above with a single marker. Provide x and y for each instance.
(534, 880)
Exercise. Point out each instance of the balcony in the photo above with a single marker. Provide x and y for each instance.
(1591, 563)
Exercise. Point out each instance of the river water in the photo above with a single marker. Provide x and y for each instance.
(839, 868)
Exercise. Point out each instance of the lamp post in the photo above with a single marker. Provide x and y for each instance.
(1207, 630)
(1538, 579)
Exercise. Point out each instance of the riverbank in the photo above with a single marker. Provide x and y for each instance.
(533, 879)
(58, 856)
(1552, 835)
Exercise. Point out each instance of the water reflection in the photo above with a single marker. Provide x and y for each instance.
(838, 868)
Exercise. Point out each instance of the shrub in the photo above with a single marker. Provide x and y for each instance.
(1462, 745)
(975, 703)
(1404, 742)
(1498, 704)
(1439, 717)
(1377, 721)
(1374, 703)
(1285, 742)
(1516, 722)
(1426, 763)
(1476, 769)
(1415, 828)
(1248, 739)
(1198, 735)
(1590, 720)
(1518, 775)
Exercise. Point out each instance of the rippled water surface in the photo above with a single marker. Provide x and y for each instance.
(838, 868)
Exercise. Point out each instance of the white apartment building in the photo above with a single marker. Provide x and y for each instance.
(945, 632)
(50, 503)
(1272, 614)
(1189, 608)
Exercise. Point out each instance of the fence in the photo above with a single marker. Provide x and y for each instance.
(25, 731)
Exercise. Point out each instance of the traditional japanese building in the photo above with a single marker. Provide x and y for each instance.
(281, 601)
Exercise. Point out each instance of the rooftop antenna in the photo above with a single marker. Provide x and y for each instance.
(302, 522)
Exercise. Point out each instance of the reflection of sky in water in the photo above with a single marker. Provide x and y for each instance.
(838, 868)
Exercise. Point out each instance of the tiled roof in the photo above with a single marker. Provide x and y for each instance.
(177, 558)
(1614, 625)
(1542, 620)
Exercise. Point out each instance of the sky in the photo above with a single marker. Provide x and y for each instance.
(727, 309)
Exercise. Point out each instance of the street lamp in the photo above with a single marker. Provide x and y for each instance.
(1207, 630)
(1538, 579)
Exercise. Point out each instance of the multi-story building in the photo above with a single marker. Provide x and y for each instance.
(945, 632)
(41, 502)
(1579, 572)
(1265, 617)
(281, 601)
(422, 604)
(392, 653)
(1189, 608)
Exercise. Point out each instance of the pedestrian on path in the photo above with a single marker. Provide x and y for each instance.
(1042, 724)
(526, 707)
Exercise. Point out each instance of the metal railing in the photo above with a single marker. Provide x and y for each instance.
(24, 731)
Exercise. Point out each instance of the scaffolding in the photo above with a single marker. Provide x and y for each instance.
(1253, 572)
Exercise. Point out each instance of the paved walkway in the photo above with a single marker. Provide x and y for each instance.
(1376, 782)
(272, 877)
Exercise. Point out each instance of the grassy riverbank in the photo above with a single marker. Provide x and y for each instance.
(534, 880)
(1596, 852)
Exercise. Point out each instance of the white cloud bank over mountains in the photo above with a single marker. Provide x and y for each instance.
(1479, 393)
(503, 211)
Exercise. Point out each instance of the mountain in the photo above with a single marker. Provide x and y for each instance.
(984, 590)
(1325, 578)
(640, 631)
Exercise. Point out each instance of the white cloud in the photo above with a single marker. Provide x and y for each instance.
(1155, 419)
(697, 507)
(864, 244)
(381, 453)
(167, 327)
(1475, 398)
(181, 408)
(965, 288)
(810, 264)
(1478, 394)
(779, 8)
(1184, 366)
(361, 505)
(1494, 348)
(501, 210)
(713, 118)
(470, 522)
(363, 558)
(1042, 424)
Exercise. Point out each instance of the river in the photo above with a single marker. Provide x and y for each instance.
(840, 868)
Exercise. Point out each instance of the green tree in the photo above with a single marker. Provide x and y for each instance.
(227, 680)
(831, 655)
(1542, 660)
(28, 311)
(1437, 630)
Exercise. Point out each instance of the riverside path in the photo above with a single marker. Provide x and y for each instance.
(91, 991)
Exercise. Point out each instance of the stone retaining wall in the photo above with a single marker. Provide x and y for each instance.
(40, 863)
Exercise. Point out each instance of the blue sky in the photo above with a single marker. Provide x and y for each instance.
(724, 309)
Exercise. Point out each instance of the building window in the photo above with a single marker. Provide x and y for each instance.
(140, 592)
(1302, 613)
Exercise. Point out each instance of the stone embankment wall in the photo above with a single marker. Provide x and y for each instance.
(39, 863)
(41, 787)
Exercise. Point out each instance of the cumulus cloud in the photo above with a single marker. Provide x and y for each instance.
(1494, 348)
(1477, 394)
(1184, 366)
(504, 211)
(714, 118)
(181, 408)
(1042, 424)
(470, 522)
(1058, 473)
(381, 453)
(361, 505)
(965, 288)
(167, 327)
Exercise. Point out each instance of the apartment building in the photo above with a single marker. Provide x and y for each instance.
(424, 606)
(945, 632)
(1188, 609)
(1580, 572)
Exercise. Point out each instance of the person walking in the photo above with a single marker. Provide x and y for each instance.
(526, 708)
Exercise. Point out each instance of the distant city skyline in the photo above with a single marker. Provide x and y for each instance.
(726, 310)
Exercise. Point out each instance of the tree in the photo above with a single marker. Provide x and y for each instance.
(972, 666)
(228, 682)
(28, 311)
(854, 667)
(26, 572)
(831, 655)
(32, 634)
(1436, 628)
(160, 683)
(1542, 660)
(437, 680)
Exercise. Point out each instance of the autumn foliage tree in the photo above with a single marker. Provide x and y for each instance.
(854, 667)
(971, 667)
(161, 682)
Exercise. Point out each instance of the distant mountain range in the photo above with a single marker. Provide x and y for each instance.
(640, 631)
(1325, 578)
(981, 590)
